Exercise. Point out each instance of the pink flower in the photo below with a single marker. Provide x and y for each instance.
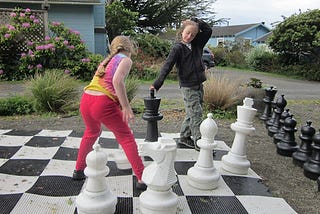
(57, 39)
(22, 15)
(71, 46)
(67, 71)
(23, 55)
(50, 46)
(28, 10)
(39, 66)
(36, 21)
(40, 47)
(65, 42)
(29, 43)
(1, 71)
(30, 52)
(32, 17)
(13, 14)
(10, 27)
(26, 25)
(7, 35)
(85, 60)
(56, 23)
(30, 66)
(47, 38)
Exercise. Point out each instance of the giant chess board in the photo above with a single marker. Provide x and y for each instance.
(36, 169)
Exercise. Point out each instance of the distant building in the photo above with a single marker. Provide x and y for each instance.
(85, 16)
(255, 33)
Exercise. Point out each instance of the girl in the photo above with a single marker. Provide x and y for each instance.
(186, 54)
(105, 101)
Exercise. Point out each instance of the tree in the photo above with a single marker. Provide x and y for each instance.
(119, 19)
(297, 38)
(154, 15)
(202, 9)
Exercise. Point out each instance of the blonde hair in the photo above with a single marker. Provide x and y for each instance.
(118, 44)
(183, 26)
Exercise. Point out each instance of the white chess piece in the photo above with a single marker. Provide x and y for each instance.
(236, 160)
(96, 197)
(203, 175)
(159, 176)
(121, 159)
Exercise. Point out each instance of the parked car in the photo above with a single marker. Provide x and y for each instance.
(208, 58)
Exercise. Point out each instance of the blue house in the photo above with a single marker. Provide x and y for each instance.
(255, 33)
(84, 16)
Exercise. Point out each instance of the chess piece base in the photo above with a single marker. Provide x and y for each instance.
(158, 202)
(236, 164)
(203, 178)
(96, 203)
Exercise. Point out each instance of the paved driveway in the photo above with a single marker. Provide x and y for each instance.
(291, 88)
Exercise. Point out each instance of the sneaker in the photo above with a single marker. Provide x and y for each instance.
(78, 175)
(141, 186)
(187, 141)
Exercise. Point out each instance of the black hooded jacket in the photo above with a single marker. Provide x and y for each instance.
(190, 68)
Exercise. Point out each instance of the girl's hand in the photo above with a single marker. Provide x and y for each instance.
(127, 115)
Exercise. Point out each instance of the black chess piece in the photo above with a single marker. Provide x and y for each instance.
(311, 168)
(318, 181)
(270, 121)
(268, 99)
(288, 145)
(152, 116)
(279, 135)
(279, 107)
(304, 152)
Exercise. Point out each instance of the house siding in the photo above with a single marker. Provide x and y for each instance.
(78, 18)
(250, 32)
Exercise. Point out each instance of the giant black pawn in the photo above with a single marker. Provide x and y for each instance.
(304, 152)
(279, 107)
(268, 99)
(288, 145)
(279, 135)
(311, 168)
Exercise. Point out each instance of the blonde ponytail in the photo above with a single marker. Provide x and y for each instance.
(118, 44)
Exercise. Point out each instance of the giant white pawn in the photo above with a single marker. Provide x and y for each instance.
(236, 160)
(203, 175)
(96, 198)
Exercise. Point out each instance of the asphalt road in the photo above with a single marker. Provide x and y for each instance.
(292, 89)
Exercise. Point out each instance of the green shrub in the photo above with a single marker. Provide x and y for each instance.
(54, 91)
(261, 58)
(153, 45)
(24, 52)
(16, 105)
(132, 85)
(236, 59)
(219, 56)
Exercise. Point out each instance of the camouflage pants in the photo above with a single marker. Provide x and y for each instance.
(193, 100)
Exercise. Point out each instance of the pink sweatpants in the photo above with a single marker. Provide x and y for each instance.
(97, 110)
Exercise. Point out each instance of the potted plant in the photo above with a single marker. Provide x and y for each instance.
(256, 91)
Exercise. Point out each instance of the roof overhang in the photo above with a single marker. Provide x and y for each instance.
(72, 2)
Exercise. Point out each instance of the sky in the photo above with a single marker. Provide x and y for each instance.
(255, 11)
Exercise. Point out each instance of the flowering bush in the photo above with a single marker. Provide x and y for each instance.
(24, 55)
